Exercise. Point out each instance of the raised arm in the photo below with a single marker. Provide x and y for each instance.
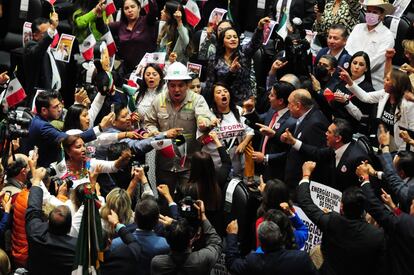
(305, 201)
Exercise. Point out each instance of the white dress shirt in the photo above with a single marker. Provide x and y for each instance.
(374, 43)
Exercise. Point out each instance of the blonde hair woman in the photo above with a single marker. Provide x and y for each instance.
(119, 201)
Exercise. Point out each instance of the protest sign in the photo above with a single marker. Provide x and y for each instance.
(27, 33)
(314, 236)
(216, 16)
(64, 48)
(267, 31)
(194, 68)
(325, 197)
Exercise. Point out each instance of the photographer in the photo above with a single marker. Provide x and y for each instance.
(51, 250)
(126, 176)
(180, 236)
(296, 51)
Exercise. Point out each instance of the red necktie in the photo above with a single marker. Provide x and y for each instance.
(271, 124)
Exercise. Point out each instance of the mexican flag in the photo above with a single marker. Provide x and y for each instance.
(15, 93)
(165, 146)
(192, 13)
(86, 48)
(110, 43)
(110, 7)
(60, 164)
(145, 5)
(89, 248)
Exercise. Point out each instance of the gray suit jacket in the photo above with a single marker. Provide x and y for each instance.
(198, 262)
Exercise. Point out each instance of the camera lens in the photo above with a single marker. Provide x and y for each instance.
(51, 171)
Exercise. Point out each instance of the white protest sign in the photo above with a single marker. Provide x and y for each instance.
(325, 197)
(400, 7)
(27, 33)
(314, 236)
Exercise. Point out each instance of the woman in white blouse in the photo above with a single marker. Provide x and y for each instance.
(152, 85)
(394, 111)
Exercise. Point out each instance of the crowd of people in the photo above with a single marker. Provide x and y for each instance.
(149, 167)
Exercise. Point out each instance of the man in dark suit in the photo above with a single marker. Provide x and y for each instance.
(340, 158)
(337, 37)
(271, 158)
(275, 260)
(51, 249)
(349, 244)
(41, 69)
(398, 173)
(46, 137)
(398, 228)
(311, 126)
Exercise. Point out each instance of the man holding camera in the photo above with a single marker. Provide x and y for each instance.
(51, 249)
(180, 236)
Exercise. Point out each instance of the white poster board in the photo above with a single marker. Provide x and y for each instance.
(325, 197)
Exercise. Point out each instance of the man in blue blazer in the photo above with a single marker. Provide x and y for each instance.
(46, 137)
(271, 156)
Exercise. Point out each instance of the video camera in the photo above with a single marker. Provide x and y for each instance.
(187, 210)
(17, 123)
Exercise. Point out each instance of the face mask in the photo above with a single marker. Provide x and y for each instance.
(371, 18)
(321, 72)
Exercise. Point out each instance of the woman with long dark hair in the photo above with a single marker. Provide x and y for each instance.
(78, 119)
(206, 182)
(232, 63)
(232, 130)
(394, 111)
(152, 85)
(349, 107)
(136, 33)
(276, 198)
(174, 35)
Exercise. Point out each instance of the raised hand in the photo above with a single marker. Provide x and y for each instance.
(266, 130)
(344, 76)
(235, 65)
(287, 137)
(262, 22)
(107, 121)
(308, 167)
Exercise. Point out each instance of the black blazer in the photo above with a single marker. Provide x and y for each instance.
(349, 246)
(38, 71)
(48, 253)
(399, 230)
(310, 131)
(343, 175)
(282, 261)
(276, 149)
